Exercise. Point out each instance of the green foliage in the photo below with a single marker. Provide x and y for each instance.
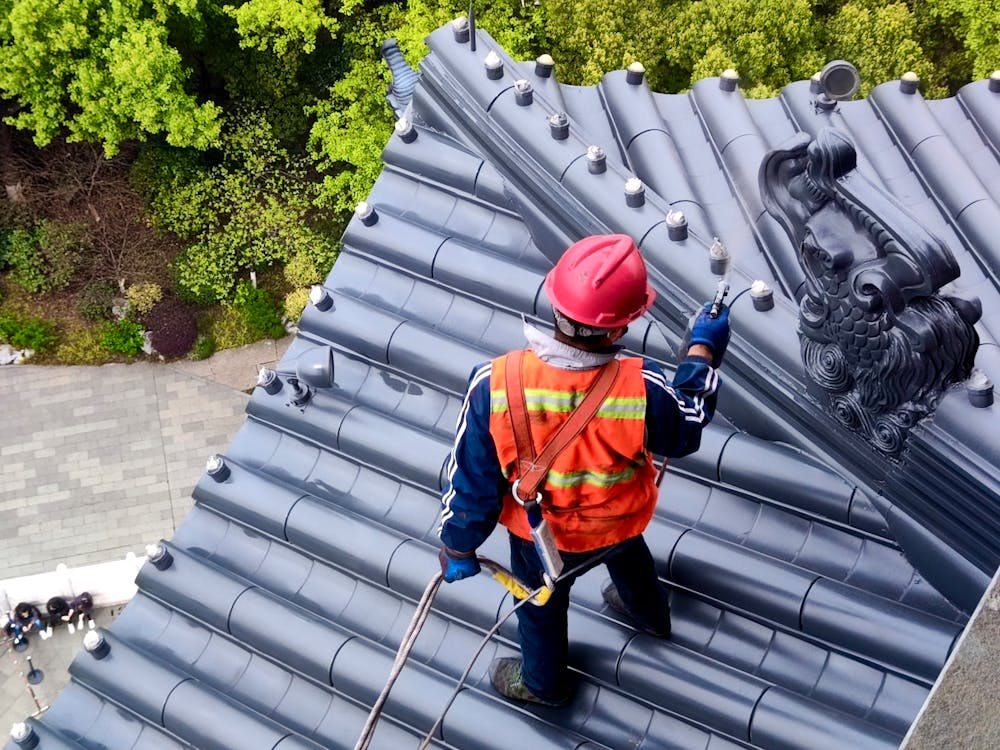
(280, 26)
(258, 310)
(96, 299)
(592, 37)
(204, 347)
(353, 123)
(301, 271)
(254, 209)
(881, 41)
(122, 337)
(25, 259)
(973, 24)
(81, 346)
(44, 258)
(107, 72)
(4, 243)
(769, 43)
(295, 302)
(142, 297)
(23, 331)
(229, 330)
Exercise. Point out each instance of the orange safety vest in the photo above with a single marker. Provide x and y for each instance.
(601, 489)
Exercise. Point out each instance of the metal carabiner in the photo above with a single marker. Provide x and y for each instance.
(517, 496)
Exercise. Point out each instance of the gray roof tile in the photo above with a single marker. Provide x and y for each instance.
(816, 588)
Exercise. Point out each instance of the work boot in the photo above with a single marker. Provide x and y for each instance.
(614, 600)
(508, 680)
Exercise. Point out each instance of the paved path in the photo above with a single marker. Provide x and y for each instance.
(99, 461)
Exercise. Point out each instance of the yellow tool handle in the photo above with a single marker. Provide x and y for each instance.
(510, 582)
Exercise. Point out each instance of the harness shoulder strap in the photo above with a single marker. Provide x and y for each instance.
(532, 468)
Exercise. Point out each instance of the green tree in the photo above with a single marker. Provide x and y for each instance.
(353, 122)
(281, 26)
(769, 42)
(882, 42)
(975, 25)
(589, 38)
(107, 72)
(255, 208)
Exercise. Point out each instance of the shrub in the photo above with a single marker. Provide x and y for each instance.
(301, 270)
(96, 299)
(25, 260)
(122, 337)
(81, 346)
(172, 327)
(142, 297)
(258, 311)
(230, 329)
(27, 332)
(204, 347)
(295, 302)
(4, 242)
(44, 258)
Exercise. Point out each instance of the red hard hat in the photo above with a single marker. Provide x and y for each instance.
(600, 281)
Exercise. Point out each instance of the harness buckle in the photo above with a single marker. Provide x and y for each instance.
(517, 496)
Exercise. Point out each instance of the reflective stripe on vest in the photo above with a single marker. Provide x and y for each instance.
(601, 490)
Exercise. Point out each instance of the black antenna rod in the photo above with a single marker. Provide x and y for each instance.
(472, 26)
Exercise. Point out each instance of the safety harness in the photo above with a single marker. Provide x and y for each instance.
(534, 467)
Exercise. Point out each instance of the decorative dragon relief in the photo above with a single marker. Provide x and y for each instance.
(877, 338)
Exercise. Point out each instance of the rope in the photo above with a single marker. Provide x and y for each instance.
(409, 638)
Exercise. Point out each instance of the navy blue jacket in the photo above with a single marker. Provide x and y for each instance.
(676, 413)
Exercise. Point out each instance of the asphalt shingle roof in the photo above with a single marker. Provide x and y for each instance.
(817, 586)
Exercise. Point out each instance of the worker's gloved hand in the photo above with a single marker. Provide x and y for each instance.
(712, 332)
(457, 565)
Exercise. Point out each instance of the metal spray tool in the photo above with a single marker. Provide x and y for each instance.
(719, 261)
(720, 296)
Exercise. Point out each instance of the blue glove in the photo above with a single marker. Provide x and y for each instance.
(456, 568)
(712, 332)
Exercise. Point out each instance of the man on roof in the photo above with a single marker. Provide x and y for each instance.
(600, 489)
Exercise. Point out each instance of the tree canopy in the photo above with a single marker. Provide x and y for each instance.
(259, 124)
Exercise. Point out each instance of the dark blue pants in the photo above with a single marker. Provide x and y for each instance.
(542, 630)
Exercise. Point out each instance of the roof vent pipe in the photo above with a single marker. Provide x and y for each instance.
(523, 93)
(994, 83)
(908, 82)
(216, 468)
(268, 379)
(159, 556)
(729, 79)
(597, 160)
(718, 258)
(762, 296)
(825, 103)
(635, 73)
(635, 192)
(493, 65)
(366, 213)
(321, 300)
(677, 226)
(96, 644)
(980, 389)
(24, 735)
(460, 28)
(405, 130)
(559, 126)
(544, 65)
